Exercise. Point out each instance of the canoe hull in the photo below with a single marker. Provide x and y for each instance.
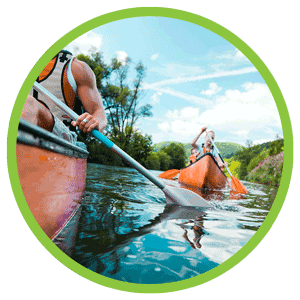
(53, 183)
(204, 174)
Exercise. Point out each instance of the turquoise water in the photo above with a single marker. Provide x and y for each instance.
(127, 231)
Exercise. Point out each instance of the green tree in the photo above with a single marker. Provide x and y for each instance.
(165, 160)
(139, 147)
(176, 152)
(121, 96)
(257, 159)
(276, 147)
(153, 161)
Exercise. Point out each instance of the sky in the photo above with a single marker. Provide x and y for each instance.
(194, 78)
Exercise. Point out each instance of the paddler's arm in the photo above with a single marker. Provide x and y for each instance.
(194, 141)
(90, 98)
(220, 163)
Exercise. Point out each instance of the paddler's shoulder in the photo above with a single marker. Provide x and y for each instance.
(82, 72)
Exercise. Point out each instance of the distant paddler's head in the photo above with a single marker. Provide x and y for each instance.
(212, 136)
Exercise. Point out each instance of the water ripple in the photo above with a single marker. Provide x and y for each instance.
(127, 231)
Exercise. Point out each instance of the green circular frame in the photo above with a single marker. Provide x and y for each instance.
(154, 12)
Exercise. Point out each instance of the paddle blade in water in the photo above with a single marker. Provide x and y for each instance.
(237, 186)
(184, 197)
(169, 174)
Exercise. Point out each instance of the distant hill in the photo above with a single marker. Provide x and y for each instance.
(226, 149)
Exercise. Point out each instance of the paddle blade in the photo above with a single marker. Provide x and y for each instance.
(184, 197)
(169, 174)
(237, 186)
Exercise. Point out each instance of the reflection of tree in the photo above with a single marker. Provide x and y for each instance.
(106, 228)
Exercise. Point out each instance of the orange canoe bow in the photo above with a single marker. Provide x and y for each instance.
(169, 174)
(203, 173)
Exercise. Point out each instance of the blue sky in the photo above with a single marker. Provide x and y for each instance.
(195, 78)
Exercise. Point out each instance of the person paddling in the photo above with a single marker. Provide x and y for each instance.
(206, 147)
(74, 83)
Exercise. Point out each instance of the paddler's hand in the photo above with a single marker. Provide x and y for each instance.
(223, 165)
(203, 129)
(86, 123)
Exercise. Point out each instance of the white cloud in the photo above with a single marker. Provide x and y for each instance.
(184, 122)
(185, 128)
(261, 141)
(122, 57)
(176, 70)
(160, 86)
(244, 110)
(164, 126)
(179, 80)
(172, 114)
(188, 113)
(155, 98)
(239, 113)
(85, 42)
(234, 56)
(213, 89)
(239, 55)
(190, 98)
(155, 56)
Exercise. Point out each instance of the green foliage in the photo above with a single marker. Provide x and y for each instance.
(120, 95)
(165, 160)
(171, 156)
(276, 147)
(101, 154)
(234, 167)
(257, 159)
(268, 171)
(244, 157)
(176, 152)
(228, 149)
(139, 147)
(159, 160)
(152, 161)
(251, 163)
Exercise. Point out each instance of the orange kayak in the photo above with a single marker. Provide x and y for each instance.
(203, 173)
(52, 174)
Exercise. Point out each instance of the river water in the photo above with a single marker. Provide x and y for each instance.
(127, 231)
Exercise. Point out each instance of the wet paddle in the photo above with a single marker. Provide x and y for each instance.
(169, 174)
(236, 185)
(174, 195)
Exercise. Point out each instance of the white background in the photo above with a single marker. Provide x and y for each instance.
(29, 28)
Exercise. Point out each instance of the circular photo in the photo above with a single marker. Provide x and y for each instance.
(150, 150)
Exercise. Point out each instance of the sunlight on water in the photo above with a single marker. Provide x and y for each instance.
(128, 232)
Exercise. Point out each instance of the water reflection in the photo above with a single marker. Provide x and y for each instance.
(129, 233)
(110, 229)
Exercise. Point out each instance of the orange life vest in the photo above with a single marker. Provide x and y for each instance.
(192, 158)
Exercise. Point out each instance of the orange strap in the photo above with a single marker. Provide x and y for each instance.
(48, 69)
